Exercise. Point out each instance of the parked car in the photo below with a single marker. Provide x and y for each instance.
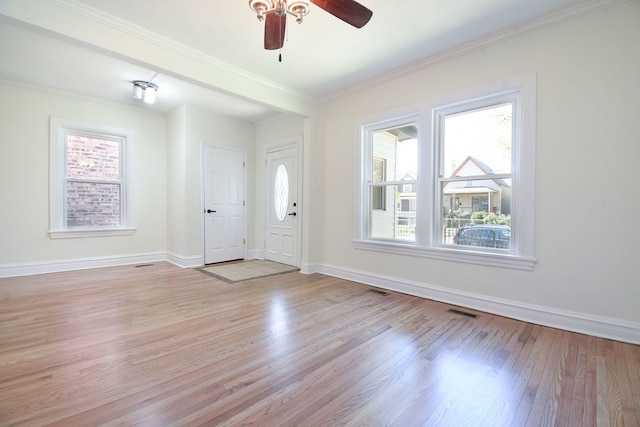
(484, 235)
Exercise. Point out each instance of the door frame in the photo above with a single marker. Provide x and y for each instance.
(202, 196)
(285, 144)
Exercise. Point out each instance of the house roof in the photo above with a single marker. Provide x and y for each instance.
(472, 166)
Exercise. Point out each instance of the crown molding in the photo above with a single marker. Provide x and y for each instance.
(493, 39)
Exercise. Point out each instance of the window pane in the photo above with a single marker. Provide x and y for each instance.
(397, 220)
(483, 136)
(93, 158)
(395, 154)
(377, 197)
(467, 204)
(93, 204)
(393, 206)
(379, 171)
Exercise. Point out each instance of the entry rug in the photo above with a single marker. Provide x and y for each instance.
(247, 270)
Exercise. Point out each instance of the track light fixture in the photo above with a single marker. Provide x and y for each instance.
(145, 91)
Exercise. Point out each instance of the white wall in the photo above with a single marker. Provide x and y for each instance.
(24, 177)
(203, 128)
(176, 185)
(588, 143)
(167, 181)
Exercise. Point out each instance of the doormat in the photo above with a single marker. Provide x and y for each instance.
(247, 270)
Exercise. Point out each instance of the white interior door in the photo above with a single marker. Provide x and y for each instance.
(283, 206)
(224, 205)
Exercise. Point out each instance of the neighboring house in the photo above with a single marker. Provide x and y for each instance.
(406, 207)
(489, 195)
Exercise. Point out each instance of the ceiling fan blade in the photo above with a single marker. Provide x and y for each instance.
(274, 27)
(349, 11)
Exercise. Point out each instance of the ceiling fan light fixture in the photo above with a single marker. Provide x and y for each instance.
(274, 14)
(261, 7)
(299, 9)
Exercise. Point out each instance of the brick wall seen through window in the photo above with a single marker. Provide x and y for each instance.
(93, 190)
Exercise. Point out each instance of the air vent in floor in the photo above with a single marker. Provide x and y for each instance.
(379, 291)
(462, 313)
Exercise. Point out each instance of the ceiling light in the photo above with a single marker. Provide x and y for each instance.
(145, 91)
(274, 14)
(297, 8)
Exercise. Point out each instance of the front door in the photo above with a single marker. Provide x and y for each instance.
(283, 206)
(224, 205)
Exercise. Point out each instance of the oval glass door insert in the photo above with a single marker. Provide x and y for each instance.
(281, 193)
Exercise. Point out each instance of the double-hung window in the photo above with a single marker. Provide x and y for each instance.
(462, 189)
(390, 177)
(89, 185)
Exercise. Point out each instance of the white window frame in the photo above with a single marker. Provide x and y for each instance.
(366, 165)
(59, 128)
(521, 253)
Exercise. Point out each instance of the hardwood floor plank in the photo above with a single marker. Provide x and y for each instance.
(162, 345)
(620, 367)
(632, 361)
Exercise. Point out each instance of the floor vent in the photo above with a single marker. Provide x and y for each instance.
(379, 291)
(462, 313)
(143, 265)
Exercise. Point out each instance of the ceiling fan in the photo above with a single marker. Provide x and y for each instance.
(274, 13)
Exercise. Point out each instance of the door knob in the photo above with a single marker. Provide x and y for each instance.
(210, 211)
(292, 214)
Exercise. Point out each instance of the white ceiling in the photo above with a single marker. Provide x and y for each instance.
(321, 58)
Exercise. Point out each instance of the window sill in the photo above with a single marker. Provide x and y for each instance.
(86, 232)
(450, 254)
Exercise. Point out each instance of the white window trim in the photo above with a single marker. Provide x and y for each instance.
(365, 148)
(523, 204)
(58, 128)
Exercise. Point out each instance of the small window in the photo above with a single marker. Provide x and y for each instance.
(392, 153)
(88, 180)
(281, 193)
(93, 181)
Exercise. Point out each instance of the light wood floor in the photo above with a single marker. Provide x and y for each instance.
(159, 345)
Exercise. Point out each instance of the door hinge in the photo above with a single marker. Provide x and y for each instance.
(244, 241)
(244, 165)
(243, 203)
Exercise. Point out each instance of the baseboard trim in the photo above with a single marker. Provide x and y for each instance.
(33, 268)
(255, 254)
(603, 327)
(184, 261)
(310, 268)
